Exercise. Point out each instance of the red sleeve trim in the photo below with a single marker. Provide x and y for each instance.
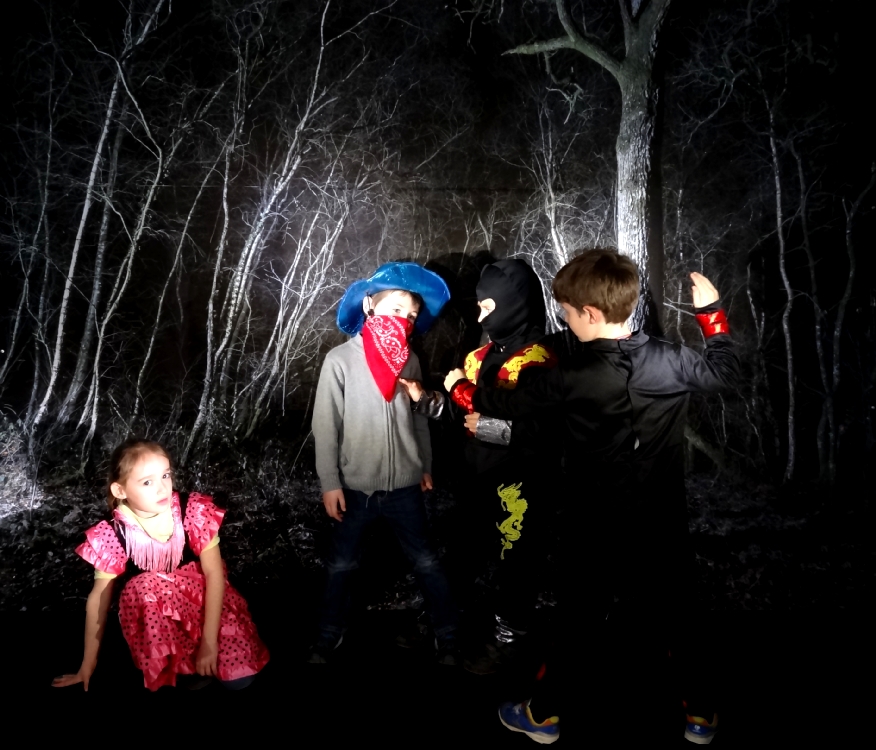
(713, 323)
(462, 394)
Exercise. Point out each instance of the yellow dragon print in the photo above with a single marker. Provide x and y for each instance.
(511, 527)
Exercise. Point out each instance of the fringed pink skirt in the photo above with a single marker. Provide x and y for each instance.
(162, 615)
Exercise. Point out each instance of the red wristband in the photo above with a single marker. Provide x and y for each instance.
(713, 323)
(462, 394)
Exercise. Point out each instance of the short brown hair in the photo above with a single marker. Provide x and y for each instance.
(377, 296)
(122, 461)
(600, 278)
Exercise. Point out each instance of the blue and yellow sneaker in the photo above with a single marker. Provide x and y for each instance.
(700, 731)
(517, 718)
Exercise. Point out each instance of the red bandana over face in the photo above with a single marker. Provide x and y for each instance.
(385, 338)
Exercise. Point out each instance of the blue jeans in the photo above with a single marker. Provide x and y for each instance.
(404, 511)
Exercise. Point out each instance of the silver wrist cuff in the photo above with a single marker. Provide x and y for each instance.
(493, 430)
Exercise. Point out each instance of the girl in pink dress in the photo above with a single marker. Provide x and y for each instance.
(178, 619)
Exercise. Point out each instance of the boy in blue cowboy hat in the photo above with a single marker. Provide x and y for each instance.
(373, 455)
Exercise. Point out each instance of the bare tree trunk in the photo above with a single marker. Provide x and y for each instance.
(55, 365)
(291, 320)
(150, 18)
(206, 392)
(124, 274)
(242, 275)
(826, 423)
(760, 372)
(26, 273)
(634, 75)
(39, 337)
(789, 297)
(147, 358)
(88, 331)
(836, 369)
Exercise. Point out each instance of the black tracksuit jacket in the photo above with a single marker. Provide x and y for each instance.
(625, 404)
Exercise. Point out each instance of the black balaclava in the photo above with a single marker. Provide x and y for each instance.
(519, 316)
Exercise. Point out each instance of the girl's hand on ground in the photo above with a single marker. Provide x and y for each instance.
(452, 377)
(704, 293)
(426, 482)
(207, 658)
(471, 422)
(83, 676)
(334, 503)
(413, 387)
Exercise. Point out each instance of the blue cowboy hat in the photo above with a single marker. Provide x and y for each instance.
(409, 277)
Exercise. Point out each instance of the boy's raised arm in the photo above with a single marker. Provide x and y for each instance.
(718, 367)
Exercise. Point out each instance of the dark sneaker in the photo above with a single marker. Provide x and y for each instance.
(493, 657)
(517, 718)
(322, 651)
(502, 649)
(416, 635)
(447, 652)
(488, 661)
(700, 731)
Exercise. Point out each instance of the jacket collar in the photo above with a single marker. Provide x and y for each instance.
(635, 341)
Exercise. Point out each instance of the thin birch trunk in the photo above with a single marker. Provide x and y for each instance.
(39, 338)
(124, 274)
(203, 406)
(55, 365)
(789, 299)
(88, 331)
(314, 279)
(826, 422)
(176, 261)
(836, 368)
(241, 277)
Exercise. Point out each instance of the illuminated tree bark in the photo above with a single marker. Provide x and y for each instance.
(642, 20)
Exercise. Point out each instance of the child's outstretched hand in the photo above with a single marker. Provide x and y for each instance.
(83, 676)
(414, 388)
(452, 377)
(334, 503)
(704, 293)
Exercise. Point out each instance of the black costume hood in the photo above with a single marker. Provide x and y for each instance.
(520, 311)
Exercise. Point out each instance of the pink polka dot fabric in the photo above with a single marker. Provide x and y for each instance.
(162, 614)
(103, 549)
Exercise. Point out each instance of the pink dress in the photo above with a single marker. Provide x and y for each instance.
(162, 610)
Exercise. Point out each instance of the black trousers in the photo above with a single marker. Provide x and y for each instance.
(505, 520)
(627, 645)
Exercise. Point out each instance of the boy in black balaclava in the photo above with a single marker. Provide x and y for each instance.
(511, 463)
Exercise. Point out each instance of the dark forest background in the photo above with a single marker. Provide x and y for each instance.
(187, 189)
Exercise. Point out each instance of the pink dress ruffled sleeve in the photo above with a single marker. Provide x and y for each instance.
(202, 521)
(103, 550)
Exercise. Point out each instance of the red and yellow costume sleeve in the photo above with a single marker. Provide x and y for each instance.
(463, 393)
(533, 355)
